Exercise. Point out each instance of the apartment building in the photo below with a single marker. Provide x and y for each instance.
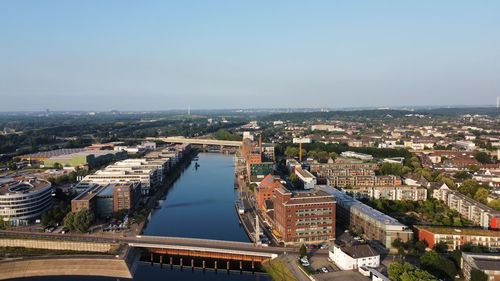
(374, 224)
(403, 192)
(308, 179)
(342, 181)
(487, 263)
(304, 217)
(469, 208)
(455, 237)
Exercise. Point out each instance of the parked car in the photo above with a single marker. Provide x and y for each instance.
(324, 269)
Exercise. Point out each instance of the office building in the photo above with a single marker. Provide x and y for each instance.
(23, 199)
(304, 217)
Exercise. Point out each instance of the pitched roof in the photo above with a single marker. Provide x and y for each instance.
(359, 251)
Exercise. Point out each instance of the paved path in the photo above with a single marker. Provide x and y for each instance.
(291, 262)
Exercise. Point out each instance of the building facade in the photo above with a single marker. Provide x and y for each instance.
(306, 217)
(455, 238)
(354, 257)
(374, 224)
(469, 208)
(23, 199)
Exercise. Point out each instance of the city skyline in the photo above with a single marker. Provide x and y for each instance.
(165, 55)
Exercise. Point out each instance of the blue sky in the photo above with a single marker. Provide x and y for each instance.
(103, 55)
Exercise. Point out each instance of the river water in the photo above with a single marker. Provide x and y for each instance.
(200, 204)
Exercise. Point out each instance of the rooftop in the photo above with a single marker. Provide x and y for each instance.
(13, 185)
(347, 200)
(460, 231)
(359, 251)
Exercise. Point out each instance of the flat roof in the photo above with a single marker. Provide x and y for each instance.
(16, 185)
(345, 199)
(459, 231)
(52, 153)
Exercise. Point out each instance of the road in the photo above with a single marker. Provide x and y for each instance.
(291, 263)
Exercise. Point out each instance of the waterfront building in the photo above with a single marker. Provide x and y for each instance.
(265, 190)
(469, 208)
(456, 237)
(374, 224)
(355, 256)
(23, 199)
(489, 264)
(104, 200)
(304, 217)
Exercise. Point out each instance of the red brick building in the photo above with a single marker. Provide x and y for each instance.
(265, 190)
(305, 217)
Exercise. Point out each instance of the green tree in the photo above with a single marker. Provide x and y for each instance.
(438, 265)
(408, 272)
(291, 152)
(440, 247)
(2, 223)
(495, 204)
(83, 220)
(462, 175)
(323, 156)
(482, 195)
(303, 251)
(469, 187)
(483, 157)
(69, 221)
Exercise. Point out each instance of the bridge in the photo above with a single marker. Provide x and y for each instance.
(193, 247)
(204, 142)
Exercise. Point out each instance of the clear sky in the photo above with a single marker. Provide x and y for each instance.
(126, 55)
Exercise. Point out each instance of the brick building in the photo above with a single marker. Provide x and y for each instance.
(305, 217)
(455, 237)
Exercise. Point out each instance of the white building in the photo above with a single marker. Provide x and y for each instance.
(352, 154)
(325, 127)
(466, 145)
(354, 257)
(306, 177)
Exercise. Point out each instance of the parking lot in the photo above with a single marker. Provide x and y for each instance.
(317, 263)
(341, 276)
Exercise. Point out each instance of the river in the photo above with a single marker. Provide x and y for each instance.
(200, 204)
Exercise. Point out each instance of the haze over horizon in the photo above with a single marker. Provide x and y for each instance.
(156, 55)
